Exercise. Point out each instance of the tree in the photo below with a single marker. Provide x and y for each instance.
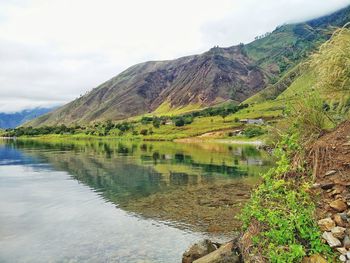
(179, 122)
(156, 122)
(224, 114)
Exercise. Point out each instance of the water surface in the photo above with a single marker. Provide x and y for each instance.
(68, 202)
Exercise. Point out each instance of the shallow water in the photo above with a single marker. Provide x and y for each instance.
(61, 202)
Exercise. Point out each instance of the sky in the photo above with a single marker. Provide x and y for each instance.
(53, 51)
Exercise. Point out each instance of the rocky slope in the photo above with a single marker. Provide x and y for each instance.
(330, 159)
(221, 74)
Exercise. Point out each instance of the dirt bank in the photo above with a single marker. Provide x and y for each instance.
(329, 159)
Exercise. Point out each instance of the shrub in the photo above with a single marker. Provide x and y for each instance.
(251, 132)
(179, 122)
(144, 132)
(156, 122)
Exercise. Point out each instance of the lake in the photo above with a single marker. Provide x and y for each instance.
(113, 201)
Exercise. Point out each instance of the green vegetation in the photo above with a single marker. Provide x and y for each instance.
(281, 207)
(147, 127)
(284, 211)
(254, 131)
(281, 204)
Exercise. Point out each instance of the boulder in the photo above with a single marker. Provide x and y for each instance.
(198, 250)
(326, 224)
(225, 254)
(338, 205)
(331, 240)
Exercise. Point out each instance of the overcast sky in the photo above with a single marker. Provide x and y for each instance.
(51, 51)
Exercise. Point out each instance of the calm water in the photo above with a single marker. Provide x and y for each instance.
(61, 202)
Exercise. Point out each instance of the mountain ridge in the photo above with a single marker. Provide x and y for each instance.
(220, 74)
(12, 120)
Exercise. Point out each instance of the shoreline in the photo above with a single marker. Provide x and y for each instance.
(223, 141)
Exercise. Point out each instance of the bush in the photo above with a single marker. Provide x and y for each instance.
(156, 122)
(144, 132)
(253, 132)
(179, 122)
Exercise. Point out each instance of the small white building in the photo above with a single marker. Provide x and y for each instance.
(252, 121)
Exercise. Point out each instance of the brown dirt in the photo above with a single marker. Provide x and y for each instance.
(329, 158)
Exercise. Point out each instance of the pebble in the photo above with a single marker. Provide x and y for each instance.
(342, 258)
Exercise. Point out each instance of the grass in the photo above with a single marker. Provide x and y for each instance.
(165, 109)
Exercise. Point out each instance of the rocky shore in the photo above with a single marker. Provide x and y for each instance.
(330, 159)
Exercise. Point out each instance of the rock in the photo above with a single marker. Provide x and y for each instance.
(326, 186)
(342, 250)
(326, 224)
(338, 232)
(224, 254)
(316, 185)
(342, 258)
(347, 197)
(331, 240)
(338, 197)
(198, 250)
(331, 172)
(314, 259)
(338, 220)
(348, 254)
(344, 216)
(338, 205)
(346, 242)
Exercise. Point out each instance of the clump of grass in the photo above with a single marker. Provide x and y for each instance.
(310, 116)
(332, 62)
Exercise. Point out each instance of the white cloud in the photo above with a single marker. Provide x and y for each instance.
(51, 51)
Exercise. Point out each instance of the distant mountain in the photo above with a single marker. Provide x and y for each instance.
(220, 74)
(12, 120)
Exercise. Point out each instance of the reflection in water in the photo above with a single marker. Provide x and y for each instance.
(124, 174)
(119, 170)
